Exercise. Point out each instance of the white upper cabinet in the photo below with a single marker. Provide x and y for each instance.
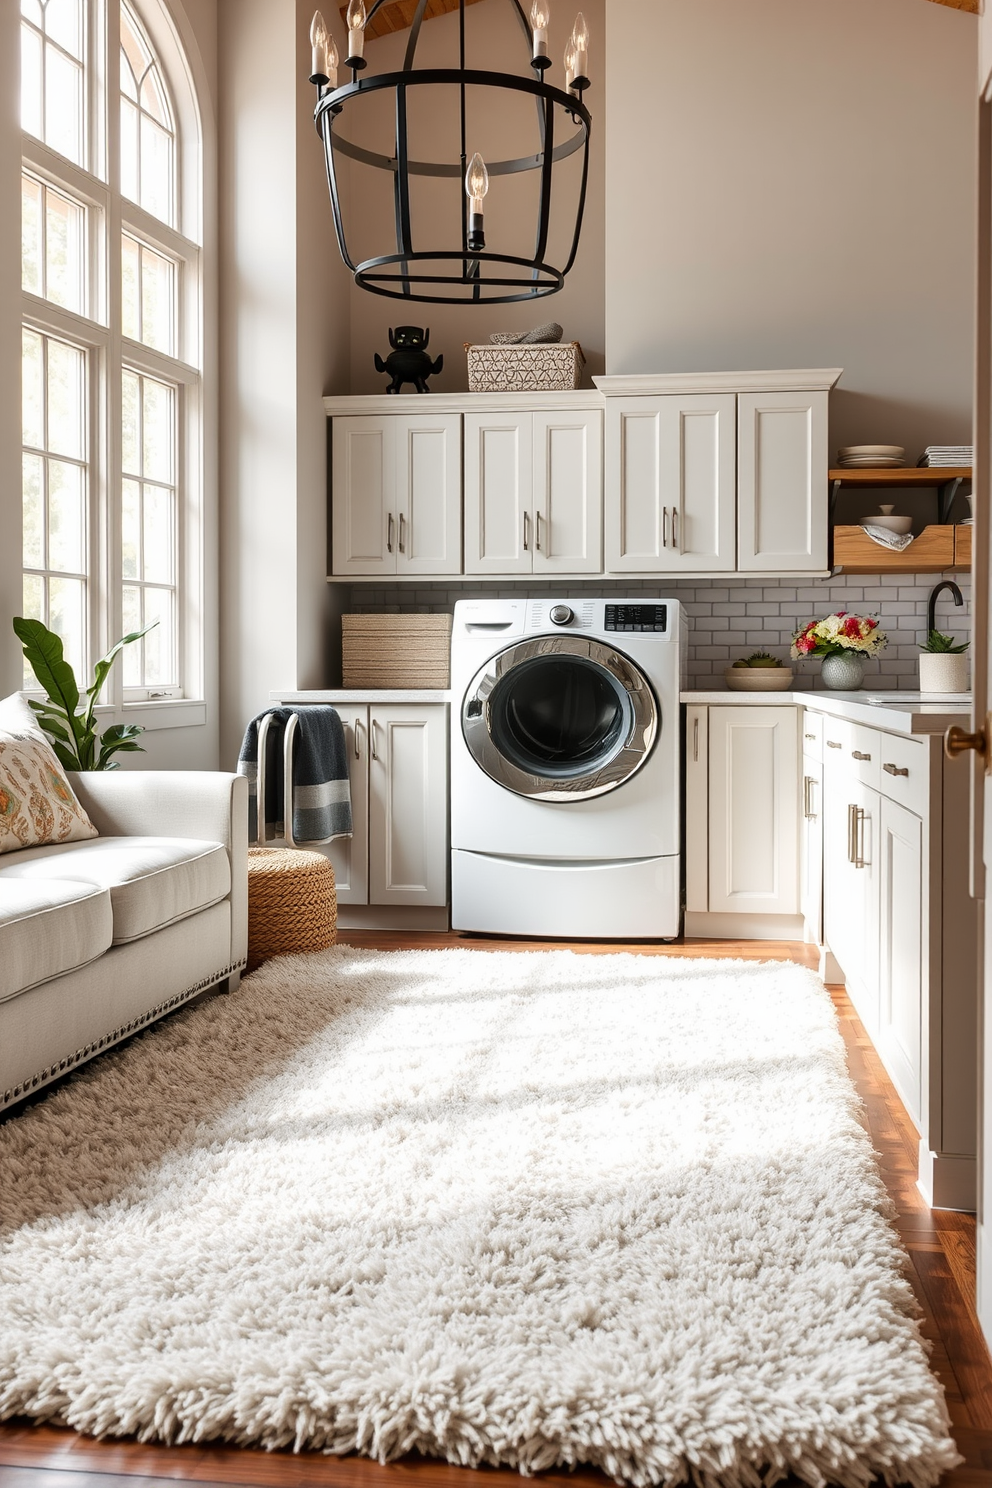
(782, 482)
(670, 491)
(397, 494)
(499, 490)
(568, 492)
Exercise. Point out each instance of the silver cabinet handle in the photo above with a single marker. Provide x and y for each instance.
(856, 836)
(833, 744)
(526, 532)
(373, 728)
(537, 526)
(402, 532)
(389, 533)
(895, 770)
(664, 526)
(808, 783)
(358, 739)
(695, 740)
(675, 526)
(809, 736)
(851, 831)
(857, 754)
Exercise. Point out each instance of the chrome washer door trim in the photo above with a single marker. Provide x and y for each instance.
(625, 758)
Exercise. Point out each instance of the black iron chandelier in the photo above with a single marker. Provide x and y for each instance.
(465, 272)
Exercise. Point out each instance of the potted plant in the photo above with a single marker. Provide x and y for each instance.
(943, 664)
(72, 732)
(845, 642)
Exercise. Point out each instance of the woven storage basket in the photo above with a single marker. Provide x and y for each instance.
(292, 905)
(545, 366)
(395, 650)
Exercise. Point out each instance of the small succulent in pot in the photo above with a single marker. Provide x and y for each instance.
(759, 659)
(943, 664)
(943, 645)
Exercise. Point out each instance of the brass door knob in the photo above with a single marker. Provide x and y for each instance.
(958, 741)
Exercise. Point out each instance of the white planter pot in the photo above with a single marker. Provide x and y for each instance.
(942, 671)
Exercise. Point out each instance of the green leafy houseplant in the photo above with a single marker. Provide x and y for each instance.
(72, 730)
(944, 645)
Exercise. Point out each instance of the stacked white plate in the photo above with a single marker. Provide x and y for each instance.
(872, 457)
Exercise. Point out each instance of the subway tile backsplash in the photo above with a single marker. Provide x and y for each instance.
(729, 617)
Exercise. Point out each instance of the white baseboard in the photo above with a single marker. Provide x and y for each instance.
(392, 917)
(948, 1182)
(743, 927)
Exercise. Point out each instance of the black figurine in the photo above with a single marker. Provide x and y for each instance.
(409, 360)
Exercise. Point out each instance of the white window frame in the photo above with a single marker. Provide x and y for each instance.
(108, 215)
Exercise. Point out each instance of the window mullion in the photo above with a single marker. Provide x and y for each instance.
(113, 502)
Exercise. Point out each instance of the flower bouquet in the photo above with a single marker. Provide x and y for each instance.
(844, 641)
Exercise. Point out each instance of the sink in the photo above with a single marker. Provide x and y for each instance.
(945, 699)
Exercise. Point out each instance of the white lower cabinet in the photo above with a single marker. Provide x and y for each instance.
(742, 820)
(811, 848)
(850, 886)
(398, 765)
(901, 950)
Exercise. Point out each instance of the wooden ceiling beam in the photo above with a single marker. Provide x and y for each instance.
(398, 15)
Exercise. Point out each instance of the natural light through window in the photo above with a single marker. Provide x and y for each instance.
(147, 133)
(148, 295)
(149, 528)
(53, 257)
(53, 56)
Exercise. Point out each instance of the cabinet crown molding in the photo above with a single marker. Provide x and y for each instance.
(816, 379)
(435, 403)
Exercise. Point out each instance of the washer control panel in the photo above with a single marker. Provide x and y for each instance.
(561, 614)
(650, 617)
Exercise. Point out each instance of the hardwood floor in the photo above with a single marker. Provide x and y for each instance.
(941, 1256)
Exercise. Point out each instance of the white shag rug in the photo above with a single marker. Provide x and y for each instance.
(536, 1209)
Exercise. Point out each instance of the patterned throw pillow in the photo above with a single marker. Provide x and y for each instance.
(37, 806)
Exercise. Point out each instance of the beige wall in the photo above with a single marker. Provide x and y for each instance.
(493, 40)
(284, 340)
(790, 183)
(10, 349)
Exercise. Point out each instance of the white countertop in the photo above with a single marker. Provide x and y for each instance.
(928, 716)
(365, 695)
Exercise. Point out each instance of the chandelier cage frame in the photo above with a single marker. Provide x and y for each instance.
(399, 275)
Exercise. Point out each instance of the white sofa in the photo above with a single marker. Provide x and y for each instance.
(100, 938)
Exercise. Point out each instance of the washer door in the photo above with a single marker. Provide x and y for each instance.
(560, 718)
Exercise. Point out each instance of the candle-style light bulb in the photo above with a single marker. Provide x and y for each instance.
(319, 37)
(356, 18)
(569, 62)
(476, 186)
(332, 62)
(580, 41)
(540, 20)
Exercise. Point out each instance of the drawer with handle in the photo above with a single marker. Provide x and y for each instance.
(904, 771)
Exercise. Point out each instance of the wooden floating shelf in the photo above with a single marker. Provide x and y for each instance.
(937, 549)
(912, 475)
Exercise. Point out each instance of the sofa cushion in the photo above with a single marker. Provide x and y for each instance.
(153, 881)
(49, 927)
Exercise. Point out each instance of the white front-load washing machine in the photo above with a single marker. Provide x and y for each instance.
(565, 767)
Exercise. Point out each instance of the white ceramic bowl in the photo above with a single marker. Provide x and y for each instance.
(759, 679)
(901, 525)
(892, 451)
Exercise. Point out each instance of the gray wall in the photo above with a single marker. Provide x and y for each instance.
(790, 184)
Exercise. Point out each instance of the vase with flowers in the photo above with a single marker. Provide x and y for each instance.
(845, 642)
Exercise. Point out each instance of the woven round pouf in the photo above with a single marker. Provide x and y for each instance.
(292, 905)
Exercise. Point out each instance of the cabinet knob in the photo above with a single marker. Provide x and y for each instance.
(958, 741)
(809, 736)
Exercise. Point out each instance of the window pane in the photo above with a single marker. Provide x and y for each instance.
(131, 655)
(158, 534)
(64, 24)
(32, 89)
(65, 399)
(157, 300)
(32, 390)
(32, 9)
(157, 429)
(156, 169)
(65, 517)
(153, 99)
(63, 104)
(160, 665)
(129, 151)
(65, 617)
(63, 250)
(130, 424)
(33, 608)
(33, 490)
(31, 235)
(130, 308)
(130, 529)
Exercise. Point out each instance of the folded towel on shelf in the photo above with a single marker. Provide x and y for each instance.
(886, 538)
(321, 790)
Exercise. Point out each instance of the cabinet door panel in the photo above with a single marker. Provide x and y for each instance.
(901, 951)
(363, 466)
(350, 855)
(670, 499)
(568, 492)
(782, 481)
(429, 494)
(408, 819)
(499, 479)
(811, 850)
(753, 827)
(850, 885)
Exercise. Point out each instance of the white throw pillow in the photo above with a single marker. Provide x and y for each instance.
(37, 804)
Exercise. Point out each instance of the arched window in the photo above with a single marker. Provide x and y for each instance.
(111, 288)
